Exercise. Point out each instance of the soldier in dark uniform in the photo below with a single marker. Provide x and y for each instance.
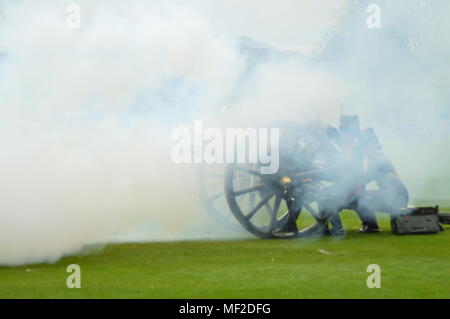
(367, 164)
(391, 195)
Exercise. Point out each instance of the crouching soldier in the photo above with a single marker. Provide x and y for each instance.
(369, 164)
(390, 196)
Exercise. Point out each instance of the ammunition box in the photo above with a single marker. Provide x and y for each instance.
(417, 220)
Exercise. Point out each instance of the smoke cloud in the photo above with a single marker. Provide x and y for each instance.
(87, 114)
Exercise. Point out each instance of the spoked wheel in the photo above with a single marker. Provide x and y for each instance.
(287, 204)
(263, 204)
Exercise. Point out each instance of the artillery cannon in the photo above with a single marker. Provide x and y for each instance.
(315, 182)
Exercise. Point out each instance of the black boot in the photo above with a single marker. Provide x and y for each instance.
(367, 228)
(369, 221)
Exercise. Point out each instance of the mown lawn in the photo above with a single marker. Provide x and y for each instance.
(411, 267)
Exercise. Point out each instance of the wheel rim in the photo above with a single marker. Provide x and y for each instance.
(260, 205)
(260, 202)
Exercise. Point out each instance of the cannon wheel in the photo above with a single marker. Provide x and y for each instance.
(258, 202)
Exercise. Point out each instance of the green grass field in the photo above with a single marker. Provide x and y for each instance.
(412, 267)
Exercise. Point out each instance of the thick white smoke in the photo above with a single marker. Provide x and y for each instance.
(86, 114)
